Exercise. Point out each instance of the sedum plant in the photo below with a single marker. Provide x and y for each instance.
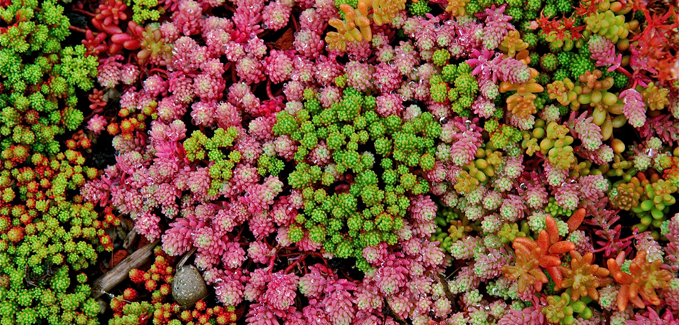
(49, 237)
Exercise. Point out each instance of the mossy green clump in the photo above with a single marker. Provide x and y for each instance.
(372, 208)
(46, 233)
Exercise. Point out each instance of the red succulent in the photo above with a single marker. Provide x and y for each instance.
(640, 283)
(532, 257)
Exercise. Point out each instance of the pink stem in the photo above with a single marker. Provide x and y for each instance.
(159, 71)
(84, 12)
(273, 259)
(233, 75)
(317, 254)
(268, 89)
(292, 266)
(76, 29)
(623, 71)
(294, 23)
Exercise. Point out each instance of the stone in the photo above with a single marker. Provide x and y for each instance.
(188, 286)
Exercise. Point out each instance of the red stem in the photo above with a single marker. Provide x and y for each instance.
(273, 260)
(623, 71)
(292, 266)
(159, 71)
(319, 255)
(268, 89)
(294, 23)
(76, 29)
(84, 12)
(347, 276)
(233, 75)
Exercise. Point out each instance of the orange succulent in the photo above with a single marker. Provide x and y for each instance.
(354, 28)
(590, 82)
(582, 277)
(512, 43)
(532, 256)
(386, 10)
(521, 103)
(564, 92)
(656, 97)
(576, 219)
(456, 8)
(644, 278)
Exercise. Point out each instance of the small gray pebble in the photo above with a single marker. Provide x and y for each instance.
(188, 286)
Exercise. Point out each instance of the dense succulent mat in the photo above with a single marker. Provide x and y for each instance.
(339, 162)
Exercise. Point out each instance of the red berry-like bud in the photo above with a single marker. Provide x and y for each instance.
(105, 240)
(126, 126)
(5, 224)
(30, 203)
(113, 128)
(165, 289)
(109, 217)
(130, 294)
(20, 153)
(26, 218)
(204, 319)
(222, 320)
(71, 144)
(156, 296)
(124, 112)
(201, 305)
(159, 315)
(137, 276)
(15, 234)
(151, 285)
(33, 187)
(186, 316)
(117, 305)
(86, 143)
